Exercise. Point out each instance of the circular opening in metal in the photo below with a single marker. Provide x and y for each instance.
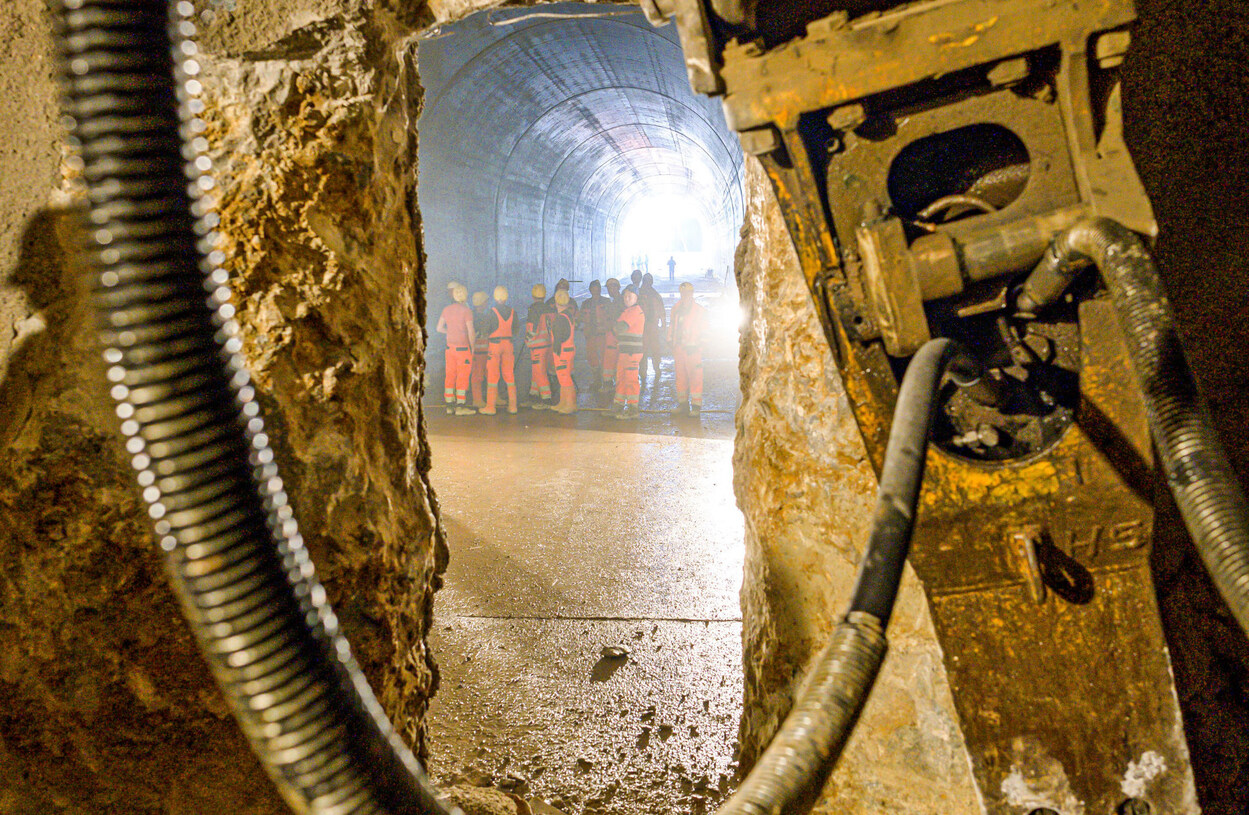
(960, 173)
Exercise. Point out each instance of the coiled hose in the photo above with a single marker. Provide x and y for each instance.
(197, 442)
(1197, 470)
(192, 422)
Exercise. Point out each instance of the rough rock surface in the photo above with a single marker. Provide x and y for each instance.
(105, 705)
(805, 486)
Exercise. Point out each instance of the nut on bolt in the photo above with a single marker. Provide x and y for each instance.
(847, 117)
(761, 141)
(1111, 47)
(1008, 72)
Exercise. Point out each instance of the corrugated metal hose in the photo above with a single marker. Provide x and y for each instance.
(202, 460)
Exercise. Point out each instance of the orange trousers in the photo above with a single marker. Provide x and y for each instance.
(459, 370)
(627, 385)
(539, 385)
(563, 368)
(611, 355)
(500, 363)
(478, 376)
(689, 366)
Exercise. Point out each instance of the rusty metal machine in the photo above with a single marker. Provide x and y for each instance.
(925, 156)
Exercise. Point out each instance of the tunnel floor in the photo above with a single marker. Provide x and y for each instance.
(589, 632)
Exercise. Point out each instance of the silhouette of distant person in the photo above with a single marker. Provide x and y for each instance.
(672, 268)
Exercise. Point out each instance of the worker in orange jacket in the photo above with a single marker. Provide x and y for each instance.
(456, 321)
(592, 316)
(481, 348)
(538, 339)
(564, 349)
(611, 346)
(629, 329)
(685, 334)
(501, 360)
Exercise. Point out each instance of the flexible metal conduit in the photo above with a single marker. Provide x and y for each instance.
(193, 427)
(198, 446)
(1197, 470)
(792, 771)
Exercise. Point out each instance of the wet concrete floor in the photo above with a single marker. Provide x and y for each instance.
(589, 632)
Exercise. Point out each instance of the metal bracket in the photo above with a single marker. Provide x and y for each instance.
(922, 156)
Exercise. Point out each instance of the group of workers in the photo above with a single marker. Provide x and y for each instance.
(622, 331)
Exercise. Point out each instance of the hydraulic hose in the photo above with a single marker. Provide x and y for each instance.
(893, 519)
(193, 426)
(792, 771)
(1197, 470)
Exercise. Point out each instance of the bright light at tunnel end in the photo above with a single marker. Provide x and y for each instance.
(663, 226)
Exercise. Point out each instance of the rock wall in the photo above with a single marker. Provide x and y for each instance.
(105, 705)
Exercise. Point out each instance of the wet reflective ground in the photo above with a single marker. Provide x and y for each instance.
(589, 632)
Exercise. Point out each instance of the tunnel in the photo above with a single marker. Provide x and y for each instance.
(551, 138)
(546, 133)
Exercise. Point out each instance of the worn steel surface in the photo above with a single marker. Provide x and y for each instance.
(1061, 697)
(922, 157)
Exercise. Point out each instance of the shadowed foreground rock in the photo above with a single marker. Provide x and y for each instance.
(104, 705)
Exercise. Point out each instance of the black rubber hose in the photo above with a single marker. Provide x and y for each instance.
(1197, 470)
(893, 519)
(193, 425)
(792, 771)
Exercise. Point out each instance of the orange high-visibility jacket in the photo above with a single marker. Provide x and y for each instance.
(561, 321)
(538, 324)
(629, 329)
(688, 325)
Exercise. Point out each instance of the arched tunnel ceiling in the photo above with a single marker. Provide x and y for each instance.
(539, 131)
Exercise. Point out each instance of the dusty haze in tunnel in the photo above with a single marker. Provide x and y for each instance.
(547, 139)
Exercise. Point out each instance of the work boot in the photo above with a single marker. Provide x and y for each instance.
(450, 408)
(567, 401)
(696, 410)
(680, 409)
(464, 410)
(511, 398)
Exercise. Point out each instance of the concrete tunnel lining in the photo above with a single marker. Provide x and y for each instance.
(539, 132)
